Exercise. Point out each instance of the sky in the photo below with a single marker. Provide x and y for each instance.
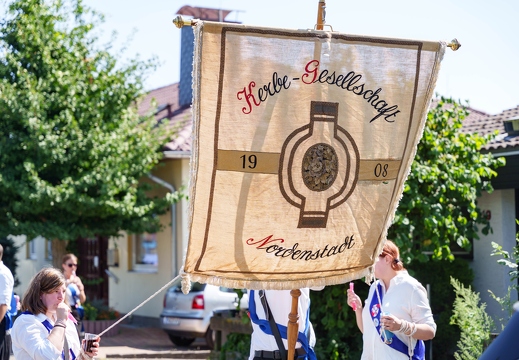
(483, 71)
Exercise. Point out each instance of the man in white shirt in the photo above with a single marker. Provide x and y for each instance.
(263, 341)
(6, 294)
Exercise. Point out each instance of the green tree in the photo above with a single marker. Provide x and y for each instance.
(439, 203)
(9, 256)
(73, 148)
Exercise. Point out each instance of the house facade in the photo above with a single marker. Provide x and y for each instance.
(501, 206)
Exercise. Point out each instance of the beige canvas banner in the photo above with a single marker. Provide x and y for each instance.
(302, 143)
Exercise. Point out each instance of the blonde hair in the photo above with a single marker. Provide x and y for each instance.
(46, 281)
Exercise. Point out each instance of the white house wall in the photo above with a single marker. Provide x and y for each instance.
(488, 274)
(28, 266)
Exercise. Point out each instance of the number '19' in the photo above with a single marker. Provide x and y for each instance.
(249, 161)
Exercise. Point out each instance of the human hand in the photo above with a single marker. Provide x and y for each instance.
(354, 300)
(91, 349)
(77, 281)
(62, 312)
(390, 322)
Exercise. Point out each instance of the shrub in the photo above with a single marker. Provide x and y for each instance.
(98, 311)
(473, 321)
(336, 331)
(437, 274)
(510, 261)
(237, 347)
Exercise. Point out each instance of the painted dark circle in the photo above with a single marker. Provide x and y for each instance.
(320, 164)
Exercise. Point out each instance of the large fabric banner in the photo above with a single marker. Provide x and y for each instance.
(302, 143)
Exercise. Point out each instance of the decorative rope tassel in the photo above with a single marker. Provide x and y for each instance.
(186, 283)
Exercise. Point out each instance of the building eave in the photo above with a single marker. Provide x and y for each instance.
(177, 154)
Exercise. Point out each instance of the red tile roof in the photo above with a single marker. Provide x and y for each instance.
(166, 99)
(485, 124)
(204, 13)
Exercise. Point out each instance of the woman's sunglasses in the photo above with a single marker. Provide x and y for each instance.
(71, 265)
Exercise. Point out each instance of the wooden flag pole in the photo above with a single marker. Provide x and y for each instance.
(293, 324)
(293, 317)
(321, 14)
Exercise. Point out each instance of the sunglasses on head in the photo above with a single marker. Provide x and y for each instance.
(71, 265)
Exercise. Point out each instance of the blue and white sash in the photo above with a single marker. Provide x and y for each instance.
(10, 313)
(77, 303)
(49, 327)
(395, 343)
(264, 325)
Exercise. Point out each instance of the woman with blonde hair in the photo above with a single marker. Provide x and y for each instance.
(397, 317)
(75, 295)
(45, 329)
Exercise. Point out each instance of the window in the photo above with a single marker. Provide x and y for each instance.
(511, 126)
(31, 249)
(48, 249)
(145, 255)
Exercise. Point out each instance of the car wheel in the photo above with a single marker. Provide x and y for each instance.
(180, 340)
(210, 338)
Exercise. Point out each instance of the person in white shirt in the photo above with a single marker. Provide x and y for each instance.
(263, 342)
(396, 318)
(6, 295)
(45, 330)
(75, 295)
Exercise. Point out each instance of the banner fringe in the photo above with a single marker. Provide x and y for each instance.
(283, 284)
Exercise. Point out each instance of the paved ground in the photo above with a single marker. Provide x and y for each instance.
(148, 343)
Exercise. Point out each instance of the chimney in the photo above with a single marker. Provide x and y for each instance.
(185, 90)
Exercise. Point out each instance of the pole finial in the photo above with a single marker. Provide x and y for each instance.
(180, 22)
(454, 44)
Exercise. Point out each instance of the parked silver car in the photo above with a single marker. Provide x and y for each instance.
(186, 317)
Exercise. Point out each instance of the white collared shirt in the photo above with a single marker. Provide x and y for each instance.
(280, 303)
(406, 299)
(29, 338)
(6, 285)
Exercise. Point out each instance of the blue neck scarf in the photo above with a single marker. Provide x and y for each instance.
(283, 331)
(395, 343)
(49, 327)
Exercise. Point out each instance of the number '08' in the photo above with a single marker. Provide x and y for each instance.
(381, 170)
